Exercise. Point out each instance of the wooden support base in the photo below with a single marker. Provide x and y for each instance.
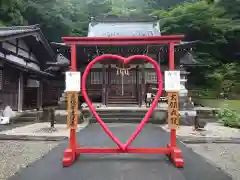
(174, 153)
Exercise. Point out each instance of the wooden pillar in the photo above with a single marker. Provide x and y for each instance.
(137, 83)
(142, 86)
(159, 58)
(20, 92)
(108, 83)
(171, 68)
(104, 87)
(39, 95)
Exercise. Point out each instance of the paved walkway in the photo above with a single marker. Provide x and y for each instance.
(123, 166)
(12, 126)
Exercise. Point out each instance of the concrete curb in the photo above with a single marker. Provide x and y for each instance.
(31, 138)
(205, 140)
(39, 138)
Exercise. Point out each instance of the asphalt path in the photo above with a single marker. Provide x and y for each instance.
(121, 166)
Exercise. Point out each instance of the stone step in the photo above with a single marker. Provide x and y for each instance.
(29, 114)
(125, 115)
(121, 97)
(122, 101)
(120, 112)
(26, 117)
(21, 119)
(62, 119)
(152, 120)
(125, 120)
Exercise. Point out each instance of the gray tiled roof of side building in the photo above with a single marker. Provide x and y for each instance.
(13, 30)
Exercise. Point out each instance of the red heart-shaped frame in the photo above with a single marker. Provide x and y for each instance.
(148, 114)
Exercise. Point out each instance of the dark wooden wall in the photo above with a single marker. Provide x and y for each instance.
(8, 87)
(30, 97)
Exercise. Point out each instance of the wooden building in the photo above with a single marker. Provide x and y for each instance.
(24, 83)
(113, 83)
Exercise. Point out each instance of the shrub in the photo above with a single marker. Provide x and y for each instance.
(229, 117)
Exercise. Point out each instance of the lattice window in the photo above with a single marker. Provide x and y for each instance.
(150, 77)
(96, 77)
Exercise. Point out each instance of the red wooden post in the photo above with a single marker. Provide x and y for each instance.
(73, 57)
(73, 68)
(171, 67)
(70, 153)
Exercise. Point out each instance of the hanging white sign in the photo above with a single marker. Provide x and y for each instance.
(172, 81)
(73, 81)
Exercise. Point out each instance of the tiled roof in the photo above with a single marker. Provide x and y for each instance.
(110, 26)
(111, 29)
(22, 31)
(14, 30)
(112, 18)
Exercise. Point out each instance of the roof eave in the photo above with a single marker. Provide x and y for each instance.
(18, 35)
(34, 30)
(111, 18)
(47, 45)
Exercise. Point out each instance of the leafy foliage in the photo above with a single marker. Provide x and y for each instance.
(229, 117)
(225, 77)
(199, 21)
(218, 30)
(10, 12)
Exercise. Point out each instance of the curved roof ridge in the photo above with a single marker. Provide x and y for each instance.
(27, 27)
(113, 18)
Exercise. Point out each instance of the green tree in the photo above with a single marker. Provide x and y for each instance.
(10, 12)
(203, 22)
(224, 78)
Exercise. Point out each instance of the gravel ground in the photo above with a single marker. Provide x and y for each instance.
(18, 154)
(225, 156)
(211, 130)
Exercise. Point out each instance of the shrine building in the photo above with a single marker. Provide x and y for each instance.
(112, 83)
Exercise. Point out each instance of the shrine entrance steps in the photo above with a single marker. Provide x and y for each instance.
(123, 116)
(122, 100)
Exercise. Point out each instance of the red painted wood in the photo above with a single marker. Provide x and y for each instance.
(126, 38)
(141, 40)
(172, 151)
(146, 117)
(120, 42)
(117, 150)
(171, 67)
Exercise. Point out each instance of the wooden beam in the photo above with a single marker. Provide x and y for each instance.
(104, 87)
(8, 52)
(142, 87)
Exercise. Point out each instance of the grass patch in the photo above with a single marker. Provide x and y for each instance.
(220, 103)
(229, 114)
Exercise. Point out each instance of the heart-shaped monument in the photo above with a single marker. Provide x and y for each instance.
(121, 145)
